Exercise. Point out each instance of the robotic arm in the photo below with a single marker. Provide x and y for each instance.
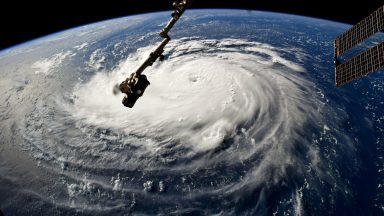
(135, 85)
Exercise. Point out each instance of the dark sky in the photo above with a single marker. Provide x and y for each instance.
(20, 21)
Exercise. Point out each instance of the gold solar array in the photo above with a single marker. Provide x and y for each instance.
(366, 62)
(360, 65)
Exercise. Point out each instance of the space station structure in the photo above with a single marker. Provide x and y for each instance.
(135, 85)
(366, 62)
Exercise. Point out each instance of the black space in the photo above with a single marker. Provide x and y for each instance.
(22, 21)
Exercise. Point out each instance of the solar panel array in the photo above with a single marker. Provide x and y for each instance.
(361, 31)
(360, 65)
(366, 62)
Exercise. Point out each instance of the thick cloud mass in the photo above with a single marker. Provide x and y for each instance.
(222, 119)
(206, 92)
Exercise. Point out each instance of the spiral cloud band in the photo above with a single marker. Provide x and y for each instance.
(221, 119)
(205, 92)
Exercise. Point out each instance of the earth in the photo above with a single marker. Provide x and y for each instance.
(242, 118)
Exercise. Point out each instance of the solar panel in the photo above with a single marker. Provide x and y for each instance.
(359, 32)
(360, 65)
(366, 62)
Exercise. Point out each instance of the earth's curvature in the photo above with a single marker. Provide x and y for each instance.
(242, 118)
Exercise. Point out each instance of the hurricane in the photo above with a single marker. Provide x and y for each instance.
(226, 126)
